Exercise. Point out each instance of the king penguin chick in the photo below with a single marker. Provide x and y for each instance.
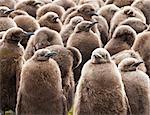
(137, 86)
(29, 6)
(11, 61)
(144, 6)
(42, 38)
(50, 8)
(86, 41)
(68, 29)
(5, 21)
(40, 91)
(28, 24)
(141, 45)
(138, 25)
(122, 39)
(85, 10)
(100, 90)
(117, 58)
(66, 4)
(50, 20)
(67, 59)
(123, 14)
(108, 12)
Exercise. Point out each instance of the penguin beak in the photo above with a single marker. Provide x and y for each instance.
(37, 3)
(137, 64)
(97, 56)
(30, 34)
(92, 24)
(78, 21)
(50, 54)
(93, 13)
(9, 11)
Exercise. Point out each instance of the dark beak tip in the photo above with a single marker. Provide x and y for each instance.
(51, 54)
(37, 3)
(95, 22)
(95, 14)
(138, 63)
(30, 33)
(9, 11)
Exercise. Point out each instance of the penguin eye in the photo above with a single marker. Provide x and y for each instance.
(92, 9)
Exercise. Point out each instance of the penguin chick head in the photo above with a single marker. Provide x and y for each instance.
(125, 33)
(15, 35)
(51, 17)
(44, 37)
(17, 13)
(129, 64)
(43, 55)
(76, 20)
(129, 11)
(87, 10)
(84, 26)
(100, 55)
(5, 11)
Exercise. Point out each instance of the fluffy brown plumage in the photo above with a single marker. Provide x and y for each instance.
(100, 90)
(120, 3)
(108, 12)
(123, 14)
(117, 58)
(137, 86)
(67, 59)
(50, 20)
(84, 40)
(96, 3)
(50, 8)
(17, 13)
(28, 24)
(66, 4)
(144, 6)
(122, 39)
(103, 28)
(11, 60)
(29, 6)
(68, 29)
(141, 45)
(42, 38)
(67, 12)
(8, 3)
(40, 90)
(138, 25)
(85, 10)
(5, 21)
